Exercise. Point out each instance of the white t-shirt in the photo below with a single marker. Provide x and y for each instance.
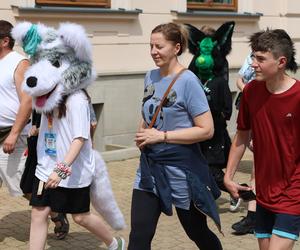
(9, 104)
(75, 124)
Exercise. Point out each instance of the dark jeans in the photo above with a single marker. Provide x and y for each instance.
(145, 212)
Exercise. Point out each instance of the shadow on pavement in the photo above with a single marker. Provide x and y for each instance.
(15, 225)
(75, 241)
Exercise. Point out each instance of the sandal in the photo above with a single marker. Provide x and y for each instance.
(62, 230)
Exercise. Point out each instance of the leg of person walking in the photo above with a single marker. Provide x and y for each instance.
(195, 226)
(12, 166)
(95, 225)
(145, 212)
(38, 227)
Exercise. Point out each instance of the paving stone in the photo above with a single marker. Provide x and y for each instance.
(15, 219)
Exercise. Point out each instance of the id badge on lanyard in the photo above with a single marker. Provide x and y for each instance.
(50, 139)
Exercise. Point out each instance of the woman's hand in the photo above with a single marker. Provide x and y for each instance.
(148, 136)
(53, 181)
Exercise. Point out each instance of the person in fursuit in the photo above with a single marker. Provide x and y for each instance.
(172, 170)
(15, 110)
(14, 114)
(210, 48)
(270, 112)
(60, 71)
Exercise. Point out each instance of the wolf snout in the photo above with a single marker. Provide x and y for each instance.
(31, 81)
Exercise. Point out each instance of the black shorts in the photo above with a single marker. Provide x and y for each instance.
(62, 200)
(283, 225)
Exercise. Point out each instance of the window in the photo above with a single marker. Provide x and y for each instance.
(227, 5)
(79, 3)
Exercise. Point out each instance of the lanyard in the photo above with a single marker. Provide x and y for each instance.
(50, 121)
(50, 138)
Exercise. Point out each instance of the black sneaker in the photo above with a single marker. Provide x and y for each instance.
(245, 226)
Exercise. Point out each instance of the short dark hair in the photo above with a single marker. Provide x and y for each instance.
(276, 41)
(5, 31)
(174, 33)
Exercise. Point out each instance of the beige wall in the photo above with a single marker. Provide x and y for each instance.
(121, 49)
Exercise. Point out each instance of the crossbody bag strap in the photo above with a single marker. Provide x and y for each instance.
(164, 97)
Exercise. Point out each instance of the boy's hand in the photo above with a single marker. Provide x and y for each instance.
(53, 181)
(234, 188)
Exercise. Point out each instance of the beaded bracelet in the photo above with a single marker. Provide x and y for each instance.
(62, 170)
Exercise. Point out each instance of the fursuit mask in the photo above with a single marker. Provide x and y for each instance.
(61, 62)
(210, 51)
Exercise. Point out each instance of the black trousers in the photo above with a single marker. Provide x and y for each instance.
(145, 212)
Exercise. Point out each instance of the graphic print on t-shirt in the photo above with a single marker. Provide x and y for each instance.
(151, 102)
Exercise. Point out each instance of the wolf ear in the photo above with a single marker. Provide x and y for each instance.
(19, 31)
(195, 36)
(78, 76)
(223, 36)
(31, 36)
(74, 36)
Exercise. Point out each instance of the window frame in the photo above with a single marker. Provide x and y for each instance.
(213, 6)
(75, 3)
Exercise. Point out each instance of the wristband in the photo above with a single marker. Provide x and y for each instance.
(62, 170)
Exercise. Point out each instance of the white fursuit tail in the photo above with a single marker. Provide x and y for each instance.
(102, 196)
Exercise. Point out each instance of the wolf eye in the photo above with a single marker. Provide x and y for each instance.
(56, 64)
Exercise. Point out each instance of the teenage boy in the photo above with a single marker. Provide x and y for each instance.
(270, 111)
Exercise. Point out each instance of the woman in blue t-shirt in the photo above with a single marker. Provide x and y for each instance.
(172, 171)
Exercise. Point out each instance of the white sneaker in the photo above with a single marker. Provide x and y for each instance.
(234, 204)
(121, 244)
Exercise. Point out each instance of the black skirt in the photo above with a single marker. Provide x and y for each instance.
(62, 200)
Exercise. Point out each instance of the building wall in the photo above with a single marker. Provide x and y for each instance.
(121, 49)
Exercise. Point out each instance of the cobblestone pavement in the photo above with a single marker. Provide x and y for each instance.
(15, 219)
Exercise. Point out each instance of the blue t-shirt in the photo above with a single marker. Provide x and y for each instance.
(185, 101)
